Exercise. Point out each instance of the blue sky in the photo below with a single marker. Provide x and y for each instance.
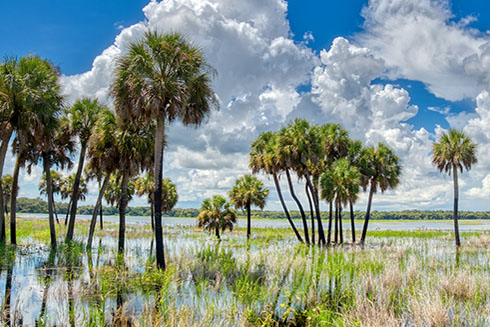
(72, 33)
(432, 83)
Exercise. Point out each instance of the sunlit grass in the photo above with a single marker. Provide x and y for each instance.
(398, 278)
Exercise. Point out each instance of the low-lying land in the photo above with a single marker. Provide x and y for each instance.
(402, 278)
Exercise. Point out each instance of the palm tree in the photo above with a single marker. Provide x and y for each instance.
(66, 191)
(340, 184)
(293, 151)
(354, 154)
(81, 119)
(216, 214)
(56, 184)
(103, 160)
(248, 191)
(145, 186)
(263, 157)
(454, 150)
(163, 78)
(380, 169)
(28, 89)
(134, 143)
(55, 145)
(333, 142)
(169, 195)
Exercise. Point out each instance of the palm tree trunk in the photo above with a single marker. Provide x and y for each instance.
(76, 195)
(336, 233)
(55, 213)
(455, 214)
(3, 154)
(368, 212)
(316, 202)
(152, 216)
(49, 190)
(249, 221)
(101, 215)
(217, 233)
(13, 200)
(300, 207)
(68, 212)
(307, 191)
(352, 224)
(330, 217)
(278, 188)
(101, 211)
(159, 143)
(341, 232)
(122, 211)
(94, 214)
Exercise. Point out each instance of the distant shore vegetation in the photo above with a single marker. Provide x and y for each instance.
(26, 205)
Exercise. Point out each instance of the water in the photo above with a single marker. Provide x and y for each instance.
(64, 288)
(445, 225)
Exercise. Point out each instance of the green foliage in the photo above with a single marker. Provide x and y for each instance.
(37, 205)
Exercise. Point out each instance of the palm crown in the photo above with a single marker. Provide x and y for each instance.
(454, 149)
(216, 213)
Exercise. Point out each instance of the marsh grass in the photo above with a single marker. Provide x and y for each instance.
(397, 279)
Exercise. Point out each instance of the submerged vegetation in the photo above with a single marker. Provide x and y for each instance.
(270, 280)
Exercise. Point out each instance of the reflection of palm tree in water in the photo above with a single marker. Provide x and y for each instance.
(71, 303)
(8, 291)
(49, 272)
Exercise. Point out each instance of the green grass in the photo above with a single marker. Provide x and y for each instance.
(398, 277)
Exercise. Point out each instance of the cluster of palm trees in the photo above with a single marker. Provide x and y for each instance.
(332, 167)
(162, 78)
(217, 214)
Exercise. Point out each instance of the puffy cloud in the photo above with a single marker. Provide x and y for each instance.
(419, 40)
(259, 68)
(482, 192)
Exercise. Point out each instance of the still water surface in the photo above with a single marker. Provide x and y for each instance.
(464, 225)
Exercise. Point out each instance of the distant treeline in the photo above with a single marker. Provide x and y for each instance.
(25, 205)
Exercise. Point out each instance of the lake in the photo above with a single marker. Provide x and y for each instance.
(464, 225)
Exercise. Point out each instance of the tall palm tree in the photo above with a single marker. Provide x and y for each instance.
(380, 169)
(134, 143)
(55, 146)
(354, 154)
(103, 160)
(248, 191)
(163, 78)
(341, 184)
(81, 119)
(28, 88)
(263, 157)
(216, 214)
(293, 151)
(332, 141)
(454, 151)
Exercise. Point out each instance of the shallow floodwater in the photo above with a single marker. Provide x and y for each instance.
(464, 225)
(50, 289)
